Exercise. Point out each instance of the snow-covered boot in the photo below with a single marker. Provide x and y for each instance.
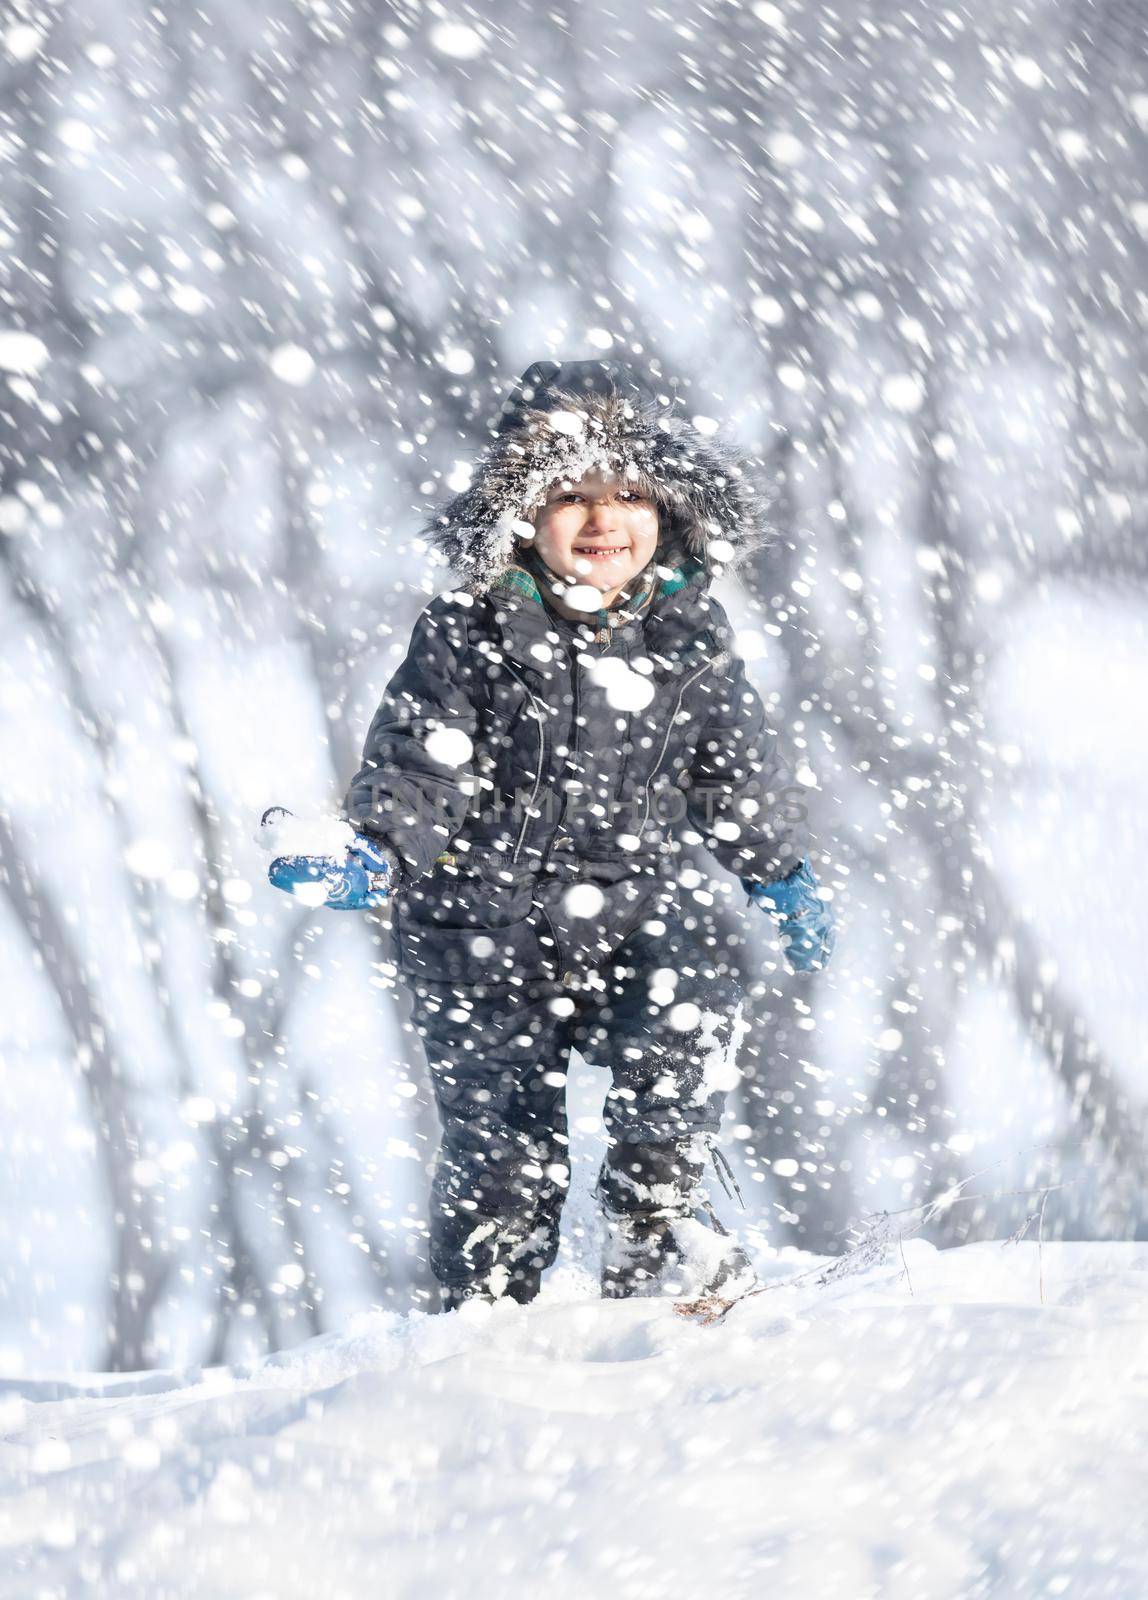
(516, 1264)
(522, 1286)
(658, 1253)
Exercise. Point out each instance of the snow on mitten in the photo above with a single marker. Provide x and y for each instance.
(323, 861)
(806, 923)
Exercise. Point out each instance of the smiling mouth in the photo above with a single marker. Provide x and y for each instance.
(599, 552)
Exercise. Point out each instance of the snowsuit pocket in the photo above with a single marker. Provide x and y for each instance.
(490, 956)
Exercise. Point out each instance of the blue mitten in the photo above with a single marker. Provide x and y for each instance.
(344, 876)
(368, 877)
(806, 923)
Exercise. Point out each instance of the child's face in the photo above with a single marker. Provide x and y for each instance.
(599, 530)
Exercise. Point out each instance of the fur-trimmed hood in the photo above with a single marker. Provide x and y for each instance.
(563, 420)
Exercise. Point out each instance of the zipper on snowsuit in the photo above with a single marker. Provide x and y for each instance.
(541, 757)
(665, 742)
(572, 754)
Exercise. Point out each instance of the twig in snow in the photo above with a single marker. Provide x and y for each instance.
(1040, 1247)
(872, 1249)
(1015, 1238)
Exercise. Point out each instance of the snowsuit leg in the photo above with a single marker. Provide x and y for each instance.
(498, 1067)
(656, 1014)
(667, 1029)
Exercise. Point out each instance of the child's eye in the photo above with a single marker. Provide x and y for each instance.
(627, 494)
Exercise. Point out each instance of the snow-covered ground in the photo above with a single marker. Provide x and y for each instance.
(931, 1428)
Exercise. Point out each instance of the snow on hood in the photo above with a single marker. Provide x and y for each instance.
(565, 420)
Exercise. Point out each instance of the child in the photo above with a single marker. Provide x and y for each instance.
(554, 717)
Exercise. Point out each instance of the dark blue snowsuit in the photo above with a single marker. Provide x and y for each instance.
(537, 907)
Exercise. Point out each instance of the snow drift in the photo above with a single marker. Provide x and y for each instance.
(931, 1428)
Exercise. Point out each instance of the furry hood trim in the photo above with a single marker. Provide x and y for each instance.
(562, 421)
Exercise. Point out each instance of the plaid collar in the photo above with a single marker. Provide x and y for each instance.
(520, 579)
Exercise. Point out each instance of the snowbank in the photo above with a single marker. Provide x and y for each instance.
(929, 1429)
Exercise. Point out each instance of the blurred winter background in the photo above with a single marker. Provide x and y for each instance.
(267, 270)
